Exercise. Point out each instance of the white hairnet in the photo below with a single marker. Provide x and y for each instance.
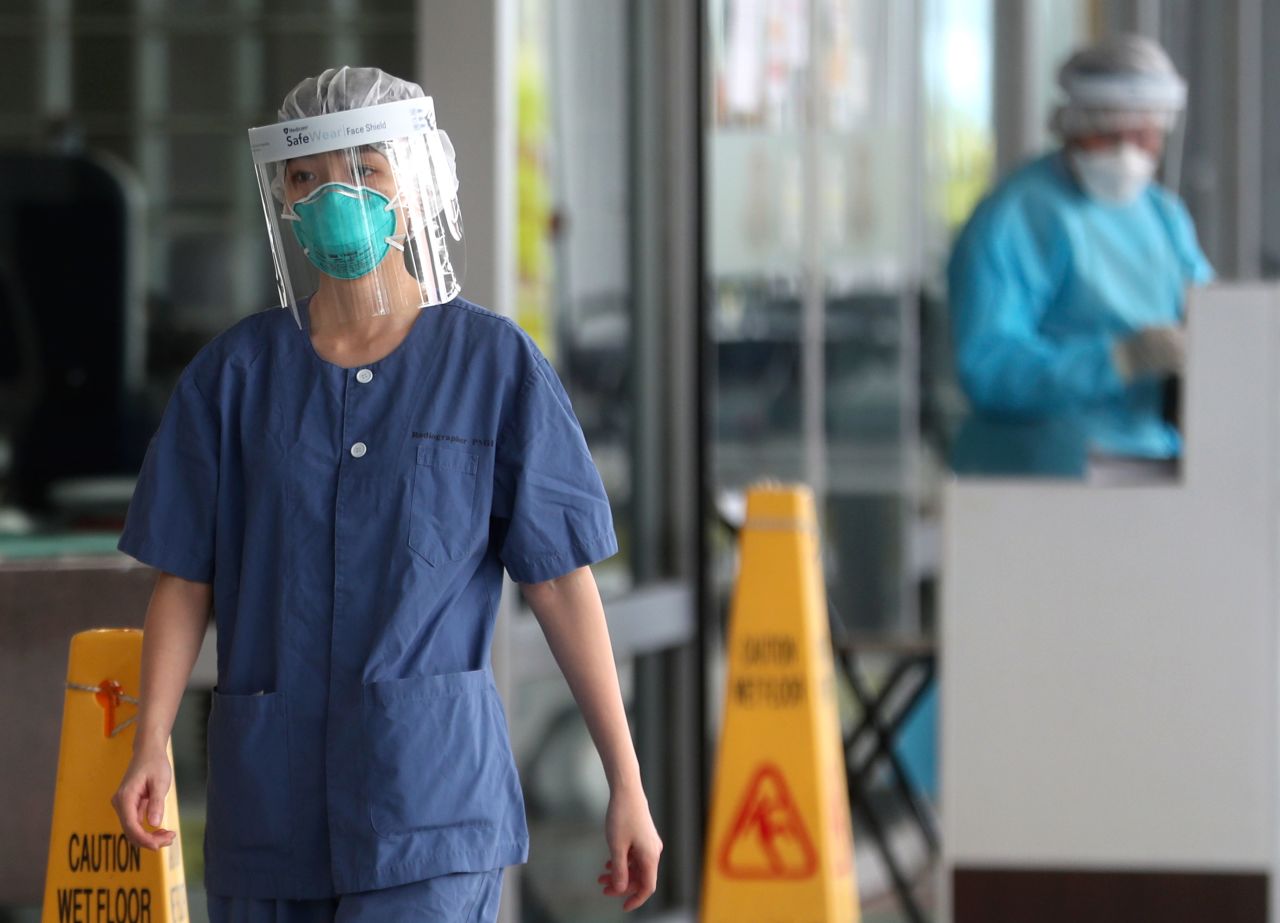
(339, 89)
(1120, 82)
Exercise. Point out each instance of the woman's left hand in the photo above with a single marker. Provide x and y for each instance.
(635, 845)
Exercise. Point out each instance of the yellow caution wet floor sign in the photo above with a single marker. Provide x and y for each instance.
(780, 846)
(95, 874)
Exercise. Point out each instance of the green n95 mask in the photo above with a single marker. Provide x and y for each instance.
(345, 231)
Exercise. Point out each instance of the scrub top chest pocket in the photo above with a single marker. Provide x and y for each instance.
(442, 520)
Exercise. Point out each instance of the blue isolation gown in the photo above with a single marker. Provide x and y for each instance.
(1043, 281)
(355, 524)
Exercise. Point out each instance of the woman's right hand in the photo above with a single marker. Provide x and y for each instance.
(140, 798)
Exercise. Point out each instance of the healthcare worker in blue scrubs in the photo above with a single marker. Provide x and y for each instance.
(343, 484)
(1067, 283)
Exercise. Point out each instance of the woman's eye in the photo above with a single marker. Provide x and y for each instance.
(365, 170)
(301, 176)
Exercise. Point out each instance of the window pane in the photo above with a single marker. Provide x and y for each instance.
(574, 232)
(393, 53)
(289, 58)
(20, 67)
(199, 283)
(200, 168)
(401, 7)
(815, 254)
(102, 74)
(289, 6)
(202, 74)
(101, 8)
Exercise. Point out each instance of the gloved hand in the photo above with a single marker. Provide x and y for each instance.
(1152, 351)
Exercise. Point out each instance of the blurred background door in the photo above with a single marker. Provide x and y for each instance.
(605, 272)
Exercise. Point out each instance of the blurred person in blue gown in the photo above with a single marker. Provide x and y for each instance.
(1067, 283)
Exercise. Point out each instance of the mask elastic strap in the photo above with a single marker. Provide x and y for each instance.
(394, 240)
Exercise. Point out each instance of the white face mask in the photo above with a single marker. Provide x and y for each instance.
(1117, 175)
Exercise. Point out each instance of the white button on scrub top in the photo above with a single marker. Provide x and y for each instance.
(364, 376)
(359, 449)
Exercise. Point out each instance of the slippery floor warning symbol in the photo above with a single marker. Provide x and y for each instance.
(768, 839)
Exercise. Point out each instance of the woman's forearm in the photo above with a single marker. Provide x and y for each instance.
(177, 618)
(572, 617)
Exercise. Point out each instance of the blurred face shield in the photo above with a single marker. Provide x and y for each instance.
(363, 205)
(1122, 118)
(1119, 156)
(1115, 174)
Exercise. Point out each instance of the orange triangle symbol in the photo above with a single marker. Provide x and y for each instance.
(768, 838)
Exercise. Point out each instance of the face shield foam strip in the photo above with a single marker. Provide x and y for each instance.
(338, 130)
(1127, 92)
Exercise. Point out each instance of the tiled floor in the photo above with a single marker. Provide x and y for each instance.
(876, 908)
(887, 910)
(887, 914)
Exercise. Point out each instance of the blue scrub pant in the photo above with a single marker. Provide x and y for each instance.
(459, 897)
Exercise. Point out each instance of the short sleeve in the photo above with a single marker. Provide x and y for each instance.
(552, 509)
(171, 517)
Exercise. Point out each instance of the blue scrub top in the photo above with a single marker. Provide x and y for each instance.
(1043, 281)
(355, 524)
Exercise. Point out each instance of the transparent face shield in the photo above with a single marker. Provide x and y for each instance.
(362, 212)
(1138, 146)
(1129, 104)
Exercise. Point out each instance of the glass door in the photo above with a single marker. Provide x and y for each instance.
(593, 288)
